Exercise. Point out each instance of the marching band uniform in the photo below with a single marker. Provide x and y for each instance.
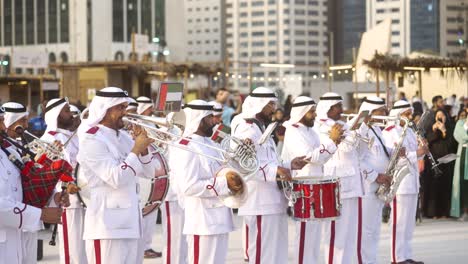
(149, 220)
(265, 209)
(15, 216)
(374, 160)
(71, 243)
(405, 202)
(340, 236)
(174, 241)
(113, 217)
(207, 220)
(301, 140)
(13, 113)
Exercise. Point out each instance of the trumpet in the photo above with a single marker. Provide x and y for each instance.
(368, 141)
(233, 151)
(40, 147)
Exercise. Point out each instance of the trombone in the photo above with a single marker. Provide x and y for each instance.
(234, 152)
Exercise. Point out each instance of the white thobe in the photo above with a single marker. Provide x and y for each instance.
(301, 140)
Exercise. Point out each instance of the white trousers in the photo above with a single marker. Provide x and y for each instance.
(371, 223)
(268, 238)
(10, 246)
(71, 245)
(175, 243)
(149, 229)
(340, 236)
(29, 247)
(402, 223)
(112, 251)
(211, 249)
(307, 242)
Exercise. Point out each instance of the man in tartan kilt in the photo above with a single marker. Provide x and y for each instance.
(16, 216)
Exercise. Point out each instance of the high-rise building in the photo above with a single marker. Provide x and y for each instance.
(283, 32)
(347, 20)
(399, 13)
(79, 30)
(453, 28)
(204, 29)
(425, 26)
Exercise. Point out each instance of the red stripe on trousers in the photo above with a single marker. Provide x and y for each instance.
(258, 252)
(65, 237)
(359, 235)
(168, 230)
(332, 242)
(196, 249)
(247, 241)
(394, 229)
(302, 242)
(97, 251)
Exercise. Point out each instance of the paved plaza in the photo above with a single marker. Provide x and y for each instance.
(435, 241)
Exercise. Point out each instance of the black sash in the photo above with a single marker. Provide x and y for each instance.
(381, 143)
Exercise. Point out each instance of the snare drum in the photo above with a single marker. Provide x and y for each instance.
(317, 199)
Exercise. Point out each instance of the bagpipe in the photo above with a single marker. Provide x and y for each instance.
(39, 172)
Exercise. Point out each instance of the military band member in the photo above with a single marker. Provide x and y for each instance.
(207, 220)
(19, 222)
(374, 160)
(146, 107)
(403, 215)
(301, 140)
(340, 236)
(60, 122)
(265, 209)
(110, 161)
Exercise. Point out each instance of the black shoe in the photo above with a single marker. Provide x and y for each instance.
(414, 262)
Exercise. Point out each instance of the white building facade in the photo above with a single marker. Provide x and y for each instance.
(275, 31)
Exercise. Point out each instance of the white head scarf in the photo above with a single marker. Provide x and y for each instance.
(254, 104)
(75, 110)
(105, 99)
(132, 104)
(143, 104)
(195, 111)
(52, 112)
(371, 103)
(217, 108)
(2, 111)
(326, 102)
(300, 107)
(13, 112)
(400, 107)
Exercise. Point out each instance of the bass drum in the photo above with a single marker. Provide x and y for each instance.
(153, 191)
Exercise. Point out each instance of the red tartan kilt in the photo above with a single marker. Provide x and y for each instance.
(39, 181)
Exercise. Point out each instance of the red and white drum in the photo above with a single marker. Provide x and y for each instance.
(153, 191)
(317, 199)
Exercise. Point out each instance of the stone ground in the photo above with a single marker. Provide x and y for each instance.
(435, 241)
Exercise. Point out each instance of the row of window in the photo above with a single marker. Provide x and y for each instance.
(297, 22)
(147, 21)
(207, 30)
(15, 11)
(207, 19)
(197, 42)
(286, 42)
(198, 9)
(191, 53)
(391, 10)
(262, 3)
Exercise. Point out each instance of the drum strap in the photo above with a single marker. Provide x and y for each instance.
(381, 143)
